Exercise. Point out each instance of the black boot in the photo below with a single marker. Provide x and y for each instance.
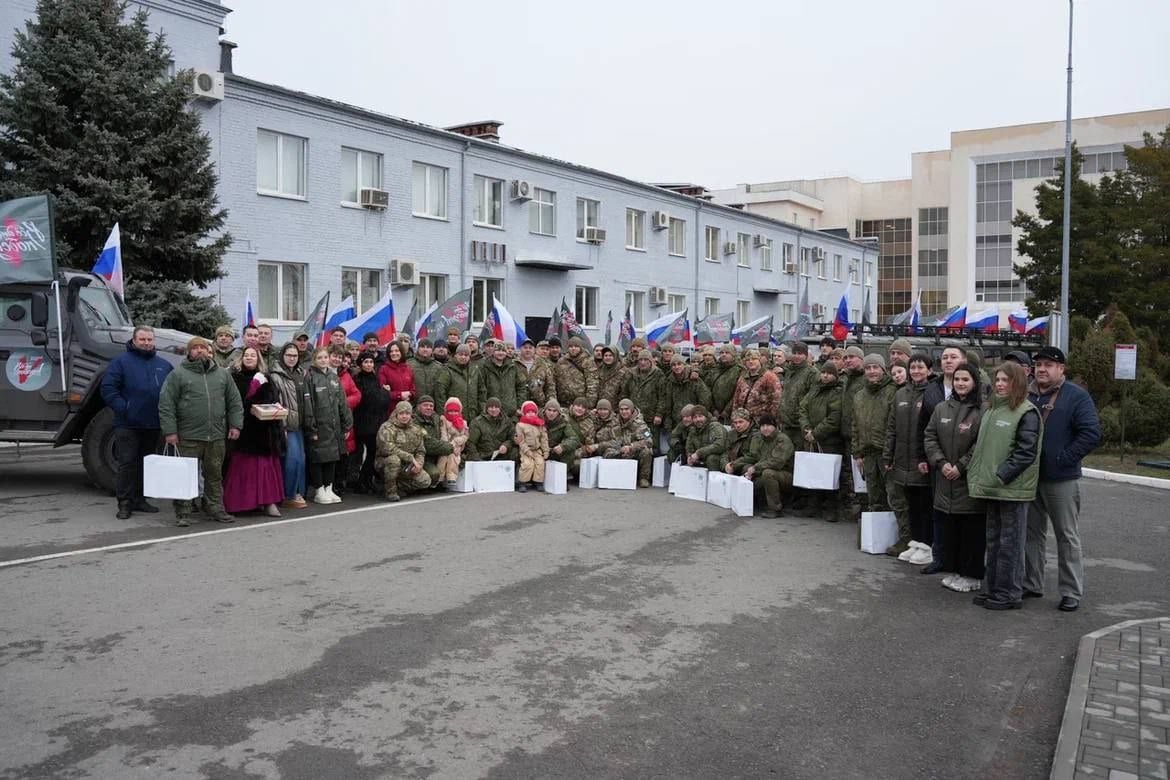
(141, 505)
(123, 510)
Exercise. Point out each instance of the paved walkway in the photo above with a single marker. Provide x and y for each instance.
(1117, 720)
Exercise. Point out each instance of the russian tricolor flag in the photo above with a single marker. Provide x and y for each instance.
(1038, 325)
(378, 319)
(986, 321)
(841, 324)
(956, 318)
(109, 262)
(344, 312)
(1018, 321)
(249, 319)
(670, 329)
(504, 326)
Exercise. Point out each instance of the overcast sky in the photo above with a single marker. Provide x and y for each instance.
(716, 93)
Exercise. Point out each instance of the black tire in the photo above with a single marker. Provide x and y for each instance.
(97, 451)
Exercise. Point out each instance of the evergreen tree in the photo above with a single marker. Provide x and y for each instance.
(89, 114)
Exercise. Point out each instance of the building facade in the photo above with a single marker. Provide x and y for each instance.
(946, 231)
(323, 196)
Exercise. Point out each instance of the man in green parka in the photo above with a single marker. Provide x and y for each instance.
(722, 379)
(820, 425)
(492, 434)
(772, 455)
(707, 440)
(502, 379)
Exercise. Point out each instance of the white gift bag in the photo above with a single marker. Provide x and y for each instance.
(731, 492)
(171, 476)
(492, 476)
(556, 478)
(879, 530)
(588, 475)
(689, 482)
(719, 489)
(858, 477)
(661, 473)
(617, 474)
(817, 471)
(464, 483)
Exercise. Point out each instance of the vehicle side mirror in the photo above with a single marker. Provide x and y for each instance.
(40, 310)
(38, 337)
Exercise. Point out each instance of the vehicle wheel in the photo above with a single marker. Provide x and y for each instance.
(97, 450)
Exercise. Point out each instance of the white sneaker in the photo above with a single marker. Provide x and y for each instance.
(333, 497)
(921, 556)
(949, 581)
(911, 548)
(321, 496)
(967, 584)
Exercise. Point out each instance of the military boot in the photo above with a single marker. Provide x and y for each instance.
(123, 510)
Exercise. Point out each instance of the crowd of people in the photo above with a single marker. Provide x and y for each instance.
(975, 465)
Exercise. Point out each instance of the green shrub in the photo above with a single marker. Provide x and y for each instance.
(1147, 415)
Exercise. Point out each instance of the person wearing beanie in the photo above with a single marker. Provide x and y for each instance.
(707, 440)
(453, 429)
(680, 387)
(492, 434)
(428, 372)
(873, 359)
(576, 375)
(722, 378)
(820, 426)
(611, 376)
(458, 381)
(373, 408)
(539, 374)
(852, 378)
(562, 437)
(199, 408)
(533, 446)
(644, 387)
(871, 410)
(225, 344)
(677, 450)
(603, 423)
(799, 378)
(435, 447)
(738, 456)
(501, 378)
(325, 443)
(901, 349)
(584, 425)
(772, 456)
(630, 440)
(758, 390)
(402, 454)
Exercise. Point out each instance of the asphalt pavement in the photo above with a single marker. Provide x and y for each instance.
(599, 634)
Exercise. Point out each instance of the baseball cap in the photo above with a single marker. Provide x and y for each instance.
(1018, 356)
(1050, 353)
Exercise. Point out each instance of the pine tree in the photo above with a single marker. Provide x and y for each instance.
(89, 114)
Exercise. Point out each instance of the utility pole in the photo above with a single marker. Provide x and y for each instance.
(1064, 242)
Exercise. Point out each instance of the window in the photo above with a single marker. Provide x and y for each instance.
(429, 185)
(789, 259)
(855, 316)
(636, 306)
(854, 271)
(364, 284)
(819, 263)
(743, 313)
(482, 292)
(788, 313)
(588, 215)
(585, 308)
(795, 218)
(489, 201)
(710, 306)
(677, 244)
(766, 255)
(812, 223)
(869, 273)
(712, 244)
(805, 259)
(838, 267)
(280, 164)
(676, 302)
(358, 170)
(282, 291)
(432, 290)
(743, 250)
(542, 212)
(635, 229)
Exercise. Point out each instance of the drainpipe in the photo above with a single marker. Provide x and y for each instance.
(462, 215)
(698, 258)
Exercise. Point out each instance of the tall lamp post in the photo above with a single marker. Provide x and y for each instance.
(1064, 242)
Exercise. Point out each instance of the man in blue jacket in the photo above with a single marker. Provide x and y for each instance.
(1071, 431)
(131, 387)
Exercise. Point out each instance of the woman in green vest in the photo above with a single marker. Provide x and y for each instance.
(1004, 470)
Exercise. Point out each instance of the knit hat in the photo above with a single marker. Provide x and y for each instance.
(874, 360)
(225, 330)
(422, 399)
(580, 401)
(854, 351)
(903, 345)
(698, 410)
(727, 349)
(552, 403)
(688, 410)
(198, 341)
(604, 404)
(638, 342)
(678, 360)
(625, 403)
(645, 355)
(453, 403)
(751, 354)
(493, 401)
(577, 341)
(403, 406)
(529, 407)
(555, 341)
(741, 414)
(453, 331)
(463, 349)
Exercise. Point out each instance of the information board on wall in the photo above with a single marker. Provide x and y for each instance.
(1125, 361)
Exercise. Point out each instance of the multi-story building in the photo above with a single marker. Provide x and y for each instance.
(947, 230)
(323, 196)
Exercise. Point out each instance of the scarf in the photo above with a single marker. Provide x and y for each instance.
(454, 415)
(529, 415)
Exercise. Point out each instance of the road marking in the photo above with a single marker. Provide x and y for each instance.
(233, 529)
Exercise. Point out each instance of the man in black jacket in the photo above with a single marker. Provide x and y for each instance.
(1071, 431)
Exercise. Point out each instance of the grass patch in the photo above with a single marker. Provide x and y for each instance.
(1111, 461)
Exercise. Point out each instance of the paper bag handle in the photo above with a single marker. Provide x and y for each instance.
(171, 450)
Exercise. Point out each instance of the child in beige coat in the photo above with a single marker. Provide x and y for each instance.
(532, 439)
(453, 429)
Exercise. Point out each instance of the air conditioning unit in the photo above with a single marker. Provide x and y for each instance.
(730, 248)
(790, 267)
(207, 85)
(521, 190)
(661, 220)
(594, 235)
(658, 296)
(373, 198)
(403, 272)
(760, 241)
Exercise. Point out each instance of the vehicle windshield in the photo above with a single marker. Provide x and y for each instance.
(101, 308)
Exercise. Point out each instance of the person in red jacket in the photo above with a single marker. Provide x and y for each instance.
(339, 362)
(396, 376)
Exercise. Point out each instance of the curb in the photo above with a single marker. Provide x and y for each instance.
(1132, 479)
(1064, 759)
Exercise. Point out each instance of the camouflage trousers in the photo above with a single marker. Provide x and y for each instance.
(775, 485)
(396, 480)
(211, 457)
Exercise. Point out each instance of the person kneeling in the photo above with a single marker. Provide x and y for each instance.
(401, 453)
(773, 454)
(532, 440)
(630, 440)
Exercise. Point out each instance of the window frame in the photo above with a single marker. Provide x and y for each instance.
(708, 309)
(805, 267)
(744, 316)
(673, 298)
(766, 259)
(280, 266)
(427, 169)
(788, 257)
(711, 241)
(489, 194)
(821, 265)
(682, 237)
(357, 173)
(838, 267)
(486, 282)
(743, 253)
(584, 207)
(536, 207)
(869, 273)
(424, 283)
(636, 222)
(586, 314)
(635, 302)
(788, 313)
(303, 183)
(361, 305)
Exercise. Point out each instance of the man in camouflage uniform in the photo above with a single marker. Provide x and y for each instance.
(644, 388)
(630, 440)
(820, 424)
(538, 374)
(401, 454)
(492, 433)
(501, 378)
(458, 381)
(772, 456)
(852, 381)
(799, 376)
(428, 372)
(738, 458)
(604, 422)
(681, 387)
(678, 436)
(433, 445)
(871, 412)
(576, 375)
(611, 376)
(707, 440)
(666, 355)
(722, 379)
(225, 344)
(562, 437)
(637, 347)
(583, 424)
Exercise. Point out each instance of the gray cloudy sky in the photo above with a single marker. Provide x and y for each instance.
(716, 92)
